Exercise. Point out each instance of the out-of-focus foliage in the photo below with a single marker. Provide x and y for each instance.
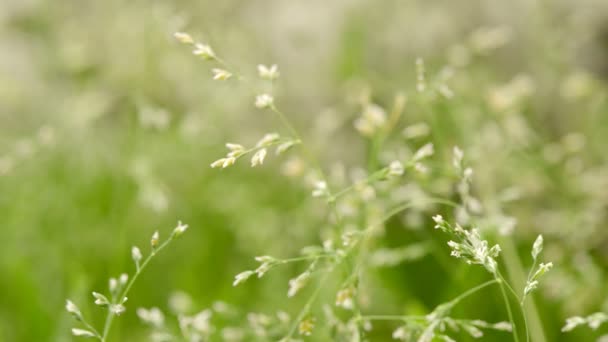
(108, 127)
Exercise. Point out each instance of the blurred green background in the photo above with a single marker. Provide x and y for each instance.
(108, 127)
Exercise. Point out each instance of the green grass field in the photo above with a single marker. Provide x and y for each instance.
(109, 125)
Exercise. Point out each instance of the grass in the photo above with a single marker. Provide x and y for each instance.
(132, 121)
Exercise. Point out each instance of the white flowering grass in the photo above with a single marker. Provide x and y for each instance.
(525, 100)
(469, 245)
(119, 288)
(403, 180)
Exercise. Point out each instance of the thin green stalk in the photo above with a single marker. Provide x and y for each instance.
(396, 210)
(123, 294)
(392, 318)
(306, 309)
(451, 303)
(509, 311)
(517, 274)
(304, 258)
(373, 177)
(310, 156)
(473, 290)
(91, 328)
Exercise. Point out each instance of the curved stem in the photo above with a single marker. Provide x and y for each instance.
(123, 294)
(451, 303)
(304, 258)
(306, 307)
(392, 318)
(309, 155)
(92, 328)
(396, 210)
(473, 290)
(374, 176)
(517, 274)
(509, 310)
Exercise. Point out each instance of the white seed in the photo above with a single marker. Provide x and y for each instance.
(100, 299)
(183, 37)
(264, 101)
(220, 74)
(82, 333)
(537, 248)
(204, 51)
(395, 169)
(136, 254)
(258, 157)
(180, 229)
(268, 73)
(242, 277)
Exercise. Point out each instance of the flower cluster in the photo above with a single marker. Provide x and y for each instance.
(533, 276)
(593, 321)
(259, 151)
(469, 245)
(372, 119)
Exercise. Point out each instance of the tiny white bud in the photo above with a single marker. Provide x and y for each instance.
(224, 162)
(117, 309)
(284, 147)
(537, 248)
(82, 333)
(438, 219)
(204, 51)
(100, 299)
(242, 277)
(265, 258)
(183, 37)
(457, 159)
(573, 322)
(220, 74)
(530, 286)
(320, 189)
(297, 283)
(423, 152)
(400, 334)
(113, 285)
(258, 157)
(228, 162)
(468, 173)
(306, 326)
(416, 130)
(264, 101)
(153, 316)
(123, 279)
(268, 139)
(504, 326)
(395, 169)
(73, 309)
(180, 229)
(268, 73)
(345, 298)
(218, 163)
(262, 269)
(154, 239)
(421, 168)
(136, 254)
(495, 251)
(234, 147)
(542, 269)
